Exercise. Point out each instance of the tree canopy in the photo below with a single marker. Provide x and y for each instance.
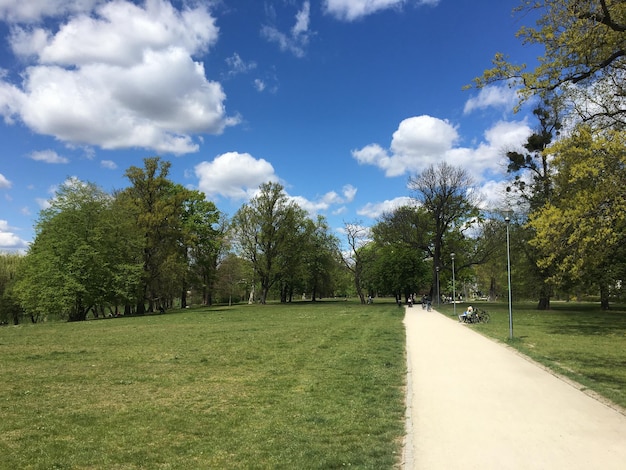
(583, 61)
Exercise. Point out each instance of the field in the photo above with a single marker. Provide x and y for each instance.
(307, 385)
(577, 340)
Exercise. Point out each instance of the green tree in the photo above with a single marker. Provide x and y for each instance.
(583, 62)
(202, 240)
(321, 258)
(262, 232)
(231, 280)
(10, 309)
(67, 269)
(533, 186)
(157, 206)
(582, 230)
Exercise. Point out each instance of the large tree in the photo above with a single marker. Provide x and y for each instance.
(356, 257)
(264, 231)
(447, 196)
(320, 258)
(157, 208)
(202, 241)
(532, 188)
(582, 230)
(70, 265)
(584, 58)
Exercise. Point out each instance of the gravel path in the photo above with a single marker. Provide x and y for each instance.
(475, 404)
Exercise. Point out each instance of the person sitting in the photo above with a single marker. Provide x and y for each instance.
(466, 314)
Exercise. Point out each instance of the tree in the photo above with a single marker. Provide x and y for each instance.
(10, 309)
(202, 241)
(582, 230)
(533, 185)
(321, 255)
(231, 278)
(355, 259)
(157, 209)
(447, 197)
(67, 269)
(263, 231)
(584, 59)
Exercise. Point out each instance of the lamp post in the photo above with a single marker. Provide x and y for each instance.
(438, 295)
(453, 286)
(508, 263)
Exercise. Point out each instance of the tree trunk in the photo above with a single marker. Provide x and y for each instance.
(544, 298)
(183, 298)
(604, 297)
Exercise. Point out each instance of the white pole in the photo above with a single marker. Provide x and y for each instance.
(508, 261)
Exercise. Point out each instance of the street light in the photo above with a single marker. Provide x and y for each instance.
(508, 262)
(438, 295)
(453, 286)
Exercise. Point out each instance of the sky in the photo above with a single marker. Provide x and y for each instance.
(340, 101)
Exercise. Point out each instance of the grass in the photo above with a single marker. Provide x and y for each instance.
(308, 385)
(577, 340)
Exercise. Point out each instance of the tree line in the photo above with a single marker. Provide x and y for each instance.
(148, 246)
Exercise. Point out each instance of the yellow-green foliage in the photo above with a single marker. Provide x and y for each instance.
(584, 224)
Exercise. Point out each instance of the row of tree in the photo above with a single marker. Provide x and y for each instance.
(146, 247)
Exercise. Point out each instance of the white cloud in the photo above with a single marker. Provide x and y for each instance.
(324, 202)
(4, 182)
(423, 141)
(259, 84)
(492, 193)
(8, 239)
(127, 72)
(234, 175)
(48, 156)
(350, 10)
(237, 65)
(375, 210)
(35, 10)
(42, 203)
(108, 164)
(418, 142)
(493, 96)
(297, 39)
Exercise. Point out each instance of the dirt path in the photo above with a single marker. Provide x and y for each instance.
(476, 404)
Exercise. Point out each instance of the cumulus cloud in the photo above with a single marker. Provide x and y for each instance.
(8, 239)
(424, 140)
(492, 96)
(326, 201)
(36, 10)
(237, 176)
(128, 73)
(234, 175)
(4, 182)
(375, 210)
(351, 10)
(48, 156)
(418, 142)
(108, 164)
(298, 37)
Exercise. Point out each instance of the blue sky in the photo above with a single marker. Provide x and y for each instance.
(338, 100)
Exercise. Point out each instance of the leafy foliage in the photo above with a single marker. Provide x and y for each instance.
(583, 62)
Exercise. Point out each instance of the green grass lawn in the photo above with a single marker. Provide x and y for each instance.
(577, 340)
(308, 385)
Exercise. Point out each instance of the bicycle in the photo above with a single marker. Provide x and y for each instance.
(480, 316)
